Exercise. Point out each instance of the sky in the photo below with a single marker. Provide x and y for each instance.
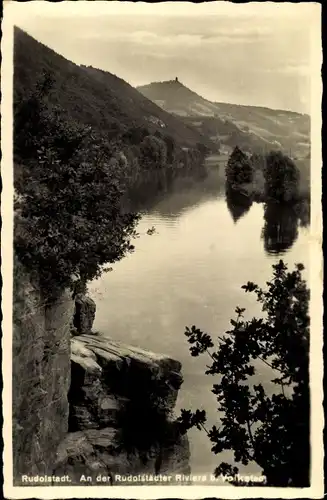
(254, 53)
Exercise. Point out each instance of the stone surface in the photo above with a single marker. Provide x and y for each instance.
(84, 314)
(113, 386)
(97, 452)
(41, 375)
(106, 373)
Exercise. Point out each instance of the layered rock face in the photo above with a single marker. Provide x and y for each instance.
(84, 314)
(84, 404)
(97, 454)
(121, 410)
(106, 373)
(41, 376)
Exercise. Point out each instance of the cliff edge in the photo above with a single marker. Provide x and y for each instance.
(40, 375)
(121, 413)
(85, 405)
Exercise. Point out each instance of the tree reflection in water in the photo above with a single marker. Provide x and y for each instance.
(237, 204)
(281, 222)
(303, 211)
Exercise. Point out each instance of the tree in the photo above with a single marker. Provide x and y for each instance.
(153, 153)
(135, 135)
(258, 161)
(28, 112)
(239, 169)
(69, 221)
(269, 429)
(282, 178)
(171, 148)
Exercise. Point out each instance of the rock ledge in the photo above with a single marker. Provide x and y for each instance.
(108, 378)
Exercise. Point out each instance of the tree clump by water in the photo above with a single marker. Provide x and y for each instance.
(273, 177)
(282, 178)
(266, 424)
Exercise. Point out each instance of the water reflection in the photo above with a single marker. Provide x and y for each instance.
(171, 198)
(281, 223)
(190, 272)
(237, 204)
(303, 212)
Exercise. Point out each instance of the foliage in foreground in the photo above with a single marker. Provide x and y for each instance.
(266, 423)
(69, 221)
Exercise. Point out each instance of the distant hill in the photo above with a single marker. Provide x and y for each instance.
(93, 97)
(251, 128)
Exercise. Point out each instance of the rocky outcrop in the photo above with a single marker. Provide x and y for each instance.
(84, 314)
(98, 453)
(121, 412)
(105, 373)
(41, 375)
(85, 404)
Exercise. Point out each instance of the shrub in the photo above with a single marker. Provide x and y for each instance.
(267, 425)
(153, 153)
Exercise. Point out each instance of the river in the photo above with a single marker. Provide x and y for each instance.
(190, 271)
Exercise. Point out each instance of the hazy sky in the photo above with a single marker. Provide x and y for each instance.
(255, 53)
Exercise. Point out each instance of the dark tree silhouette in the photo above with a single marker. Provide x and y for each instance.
(282, 178)
(238, 169)
(267, 425)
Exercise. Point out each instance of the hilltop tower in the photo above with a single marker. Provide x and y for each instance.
(176, 79)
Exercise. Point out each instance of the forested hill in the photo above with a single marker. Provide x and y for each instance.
(250, 127)
(92, 97)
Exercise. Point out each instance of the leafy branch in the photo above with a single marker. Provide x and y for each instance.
(251, 417)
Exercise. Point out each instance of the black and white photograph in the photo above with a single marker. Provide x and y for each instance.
(161, 249)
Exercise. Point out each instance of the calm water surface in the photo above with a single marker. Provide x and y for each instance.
(190, 271)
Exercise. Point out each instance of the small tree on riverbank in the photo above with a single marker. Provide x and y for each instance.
(153, 153)
(267, 424)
